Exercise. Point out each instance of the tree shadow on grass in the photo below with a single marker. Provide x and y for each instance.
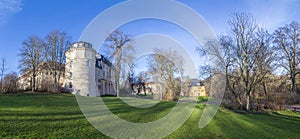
(138, 115)
(256, 125)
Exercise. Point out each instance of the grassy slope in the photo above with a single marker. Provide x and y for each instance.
(58, 116)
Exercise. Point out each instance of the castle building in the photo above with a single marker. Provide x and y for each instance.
(86, 73)
(89, 73)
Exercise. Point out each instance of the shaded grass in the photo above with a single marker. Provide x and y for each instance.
(58, 116)
(138, 115)
(43, 116)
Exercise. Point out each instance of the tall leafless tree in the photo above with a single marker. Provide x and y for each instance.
(223, 48)
(243, 28)
(3, 69)
(287, 40)
(120, 45)
(30, 58)
(55, 45)
(164, 65)
(131, 73)
(246, 56)
(265, 59)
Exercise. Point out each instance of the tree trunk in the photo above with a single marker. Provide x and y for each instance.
(1, 82)
(248, 102)
(119, 56)
(293, 84)
(144, 87)
(33, 84)
(266, 94)
(1, 88)
(55, 82)
(239, 100)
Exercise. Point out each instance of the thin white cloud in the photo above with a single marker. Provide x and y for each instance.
(9, 8)
(271, 13)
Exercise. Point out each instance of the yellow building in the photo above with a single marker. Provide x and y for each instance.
(196, 88)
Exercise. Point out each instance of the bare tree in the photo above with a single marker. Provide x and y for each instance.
(3, 68)
(140, 82)
(55, 45)
(10, 83)
(265, 58)
(227, 57)
(246, 56)
(30, 58)
(164, 65)
(243, 29)
(131, 76)
(120, 45)
(286, 40)
(253, 54)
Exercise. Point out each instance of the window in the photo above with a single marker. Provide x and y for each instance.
(71, 75)
(99, 64)
(70, 85)
(71, 64)
(88, 63)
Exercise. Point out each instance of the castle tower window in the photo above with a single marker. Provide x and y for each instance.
(88, 63)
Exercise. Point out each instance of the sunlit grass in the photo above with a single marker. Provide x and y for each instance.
(58, 116)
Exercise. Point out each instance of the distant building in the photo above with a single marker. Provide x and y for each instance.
(43, 79)
(148, 88)
(196, 88)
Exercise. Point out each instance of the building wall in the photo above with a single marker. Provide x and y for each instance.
(88, 72)
(197, 91)
(81, 76)
(44, 79)
(105, 85)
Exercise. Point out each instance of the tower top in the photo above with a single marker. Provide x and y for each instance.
(82, 44)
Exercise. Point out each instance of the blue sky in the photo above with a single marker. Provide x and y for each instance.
(20, 19)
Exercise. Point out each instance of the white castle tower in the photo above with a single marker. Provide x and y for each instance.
(80, 69)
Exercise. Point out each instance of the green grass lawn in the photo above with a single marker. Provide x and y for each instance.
(58, 116)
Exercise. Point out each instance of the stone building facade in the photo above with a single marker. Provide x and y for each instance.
(44, 78)
(87, 72)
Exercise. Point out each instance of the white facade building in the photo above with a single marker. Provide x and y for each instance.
(88, 73)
